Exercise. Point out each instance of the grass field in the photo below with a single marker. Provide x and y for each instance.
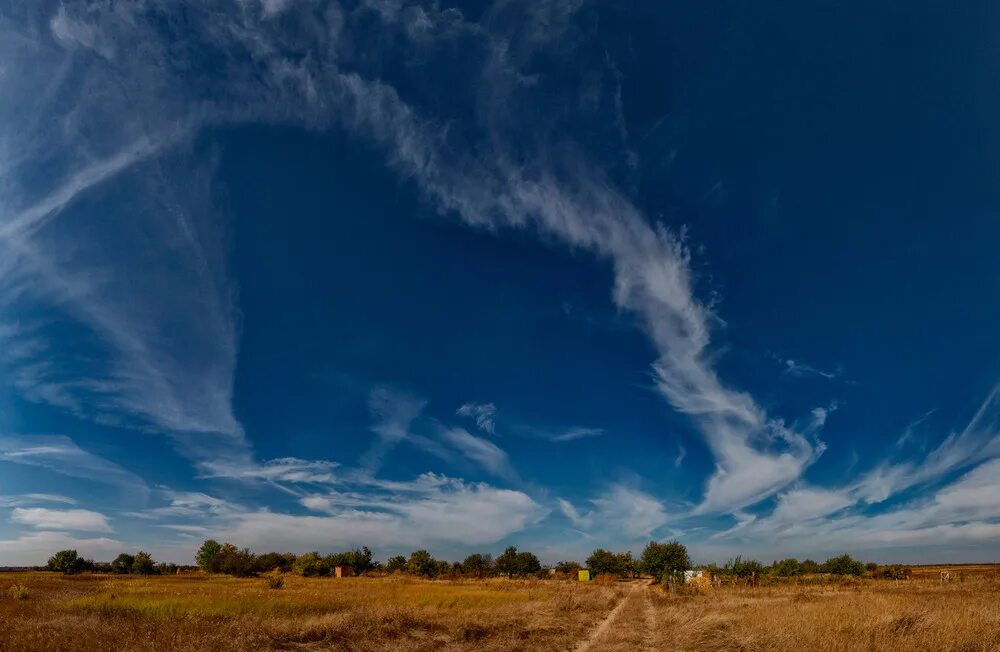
(197, 612)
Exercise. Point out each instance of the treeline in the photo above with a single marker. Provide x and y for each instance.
(70, 562)
(664, 562)
(214, 557)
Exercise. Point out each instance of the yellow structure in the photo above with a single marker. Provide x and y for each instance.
(584, 575)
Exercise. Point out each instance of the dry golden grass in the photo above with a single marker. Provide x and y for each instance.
(920, 614)
(194, 612)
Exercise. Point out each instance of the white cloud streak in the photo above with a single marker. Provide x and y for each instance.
(621, 512)
(481, 451)
(558, 195)
(484, 414)
(851, 515)
(433, 510)
(61, 455)
(393, 411)
(32, 548)
(79, 520)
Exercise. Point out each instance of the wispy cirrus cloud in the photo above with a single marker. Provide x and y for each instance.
(798, 368)
(61, 455)
(432, 510)
(393, 411)
(74, 520)
(283, 469)
(32, 548)
(179, 380)
(481, 451)
(484, 414)
(851, 514)
(22, 500)
(559, 435)
(620, 511)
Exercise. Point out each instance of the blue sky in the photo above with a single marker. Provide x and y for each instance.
(559, 274)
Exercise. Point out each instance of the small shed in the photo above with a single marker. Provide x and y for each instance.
(583, 576)
(693, 574)
(343, 571)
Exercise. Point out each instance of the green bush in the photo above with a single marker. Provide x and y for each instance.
(787, 568)
(143, 564)
(396, 564)
(844, 565)
(310, 565)
(742, 568)
(18, 592)
(275, 582)
(478, 564)
(68, 562)
(664, 559)
(422, 563)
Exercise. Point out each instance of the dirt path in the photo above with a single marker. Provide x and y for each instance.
(649, 615)
(604, 631)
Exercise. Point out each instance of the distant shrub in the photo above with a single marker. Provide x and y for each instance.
(809, 567)
(477, 564)
(310, 565)
(894, 572)
(275, 582)
(143, 564)
(568, 567)
(396, 564)
(422, 563)
(236, 562)
(506, 562)
(66, 562)
(18, 592)
(122, 564)
(270, 561)
(787, 568)
(844, 565)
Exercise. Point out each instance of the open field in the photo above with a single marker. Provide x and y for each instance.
(195, 612)
(198, 612)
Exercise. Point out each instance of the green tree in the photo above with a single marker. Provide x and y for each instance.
(664, 560)
(66, 562)
(478, 564)
(526, 563)
(362, 561)
(310, 565)
(603, 561)
(274, 561)
(396, 564)
(506, 562)
(143, 564)
(809, 567)
(844, 565)
(236, 562)
(742, 568)
(422, 563)
(122, 564)
(207, 556)
(568, 567)
(787, 567)
(893, 572)
(628, 566)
